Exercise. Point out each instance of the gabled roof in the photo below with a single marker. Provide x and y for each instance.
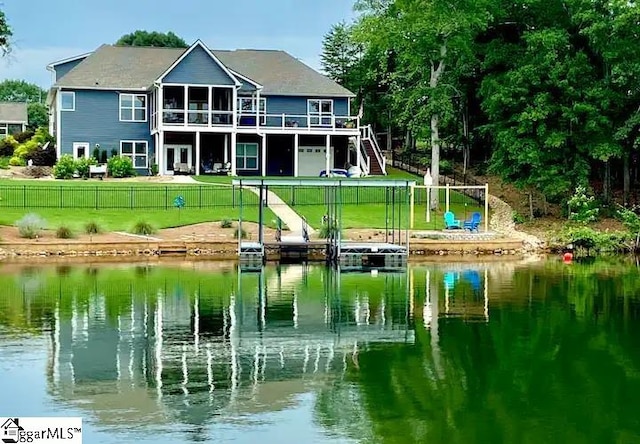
(280, 73)
(121, 67)
(199, 44)
(11, 423)
(137, 68)
(13, 112)
(69, 59)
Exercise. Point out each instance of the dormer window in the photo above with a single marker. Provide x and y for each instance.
(133, 108)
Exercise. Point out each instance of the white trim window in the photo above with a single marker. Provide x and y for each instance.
(320, 111)
(133, 107)
(137, 151)
(67, 101)
(80, 150)
(247, 106)
(246, 156)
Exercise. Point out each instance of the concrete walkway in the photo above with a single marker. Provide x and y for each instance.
(286, 214)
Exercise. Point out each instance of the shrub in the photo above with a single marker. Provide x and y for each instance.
(7, 146)
(114, 152)
(96, 154)
(92, 228)
(4, 163)
(64, 232)
(82, 166)
(17, 161)
(103, 156)
(26, 150)
(24, 136)
(518, 218)
(593, 241)
(120, 166)
(154, 169)
(328, 229)
(30, 226)
(44, 156)
(239, 232)
(582, 207)
(65, 167)
(226, 223)
(143, 228)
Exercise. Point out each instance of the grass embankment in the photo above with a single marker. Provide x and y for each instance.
(117, 205)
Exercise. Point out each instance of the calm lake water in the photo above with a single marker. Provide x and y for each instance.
(202, 352)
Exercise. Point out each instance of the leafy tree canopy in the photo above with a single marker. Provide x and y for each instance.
(157, 39)
(21, 91)
(5, 34)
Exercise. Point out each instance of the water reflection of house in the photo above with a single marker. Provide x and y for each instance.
(196, 355)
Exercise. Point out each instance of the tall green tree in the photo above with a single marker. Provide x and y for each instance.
(157, 39)
(22, 91)
(340, 54)
(431, 45)
(5, 34)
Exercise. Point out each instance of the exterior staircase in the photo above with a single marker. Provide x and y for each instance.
(376, 164)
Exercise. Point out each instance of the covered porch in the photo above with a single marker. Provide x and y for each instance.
(284, 155)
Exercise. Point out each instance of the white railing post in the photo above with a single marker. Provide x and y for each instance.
(447, 197)
(486, 207)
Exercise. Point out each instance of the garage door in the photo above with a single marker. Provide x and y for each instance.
(311, 160)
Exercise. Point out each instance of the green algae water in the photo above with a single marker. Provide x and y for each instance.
(502, 352)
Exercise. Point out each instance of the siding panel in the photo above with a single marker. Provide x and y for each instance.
(199, 69)
(96, 121)
(298, 105)
(64, 68)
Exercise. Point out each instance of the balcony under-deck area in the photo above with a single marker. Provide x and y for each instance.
(199, 106)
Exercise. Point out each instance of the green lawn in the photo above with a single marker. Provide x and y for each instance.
(118, 205)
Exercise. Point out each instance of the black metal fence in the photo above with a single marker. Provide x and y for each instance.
(189, 196)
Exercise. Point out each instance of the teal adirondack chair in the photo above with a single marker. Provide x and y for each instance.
(473, 223)
(450, 221)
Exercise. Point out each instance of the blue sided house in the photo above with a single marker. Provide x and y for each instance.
(200, 111)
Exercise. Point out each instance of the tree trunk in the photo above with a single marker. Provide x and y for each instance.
(436, 74)
(466, 149)
(606, 185)
(435, 159)
(626, 179)
(530, 205)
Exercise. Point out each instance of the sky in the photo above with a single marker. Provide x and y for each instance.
(46, 31)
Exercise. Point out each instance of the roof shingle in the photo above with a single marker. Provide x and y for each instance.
(129, 67)
(13, 112)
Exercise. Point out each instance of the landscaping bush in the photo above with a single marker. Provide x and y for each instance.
(119, 166)
(65, 167)
(64, 232)
(103, 156)
(44, 157)
(587, 240)
(143, 228)
(4, 163)
(92, 228)
(30, 226)
(239, 233)
(17, 161)
(226, 223)
(7, 146)
(24, 136)
(25, 150)
(82, 166)
(96, 154)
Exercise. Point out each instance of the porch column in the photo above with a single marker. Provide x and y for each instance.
(359, 151)
(226, 149)
(210, 106)
(160, 150)
(327, 156)
(197, 168)
(234, 137)
(160, 107)
(186, 105)
(264, 155)
(296, 157)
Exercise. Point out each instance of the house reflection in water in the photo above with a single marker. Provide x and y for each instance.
(204, 354)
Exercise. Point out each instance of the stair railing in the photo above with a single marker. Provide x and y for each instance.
(368, 134)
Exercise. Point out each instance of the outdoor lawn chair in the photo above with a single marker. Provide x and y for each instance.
(450, 221)
(473, 223)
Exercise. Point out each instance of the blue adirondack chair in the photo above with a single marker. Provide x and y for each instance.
(473, 223)
(450, 221)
